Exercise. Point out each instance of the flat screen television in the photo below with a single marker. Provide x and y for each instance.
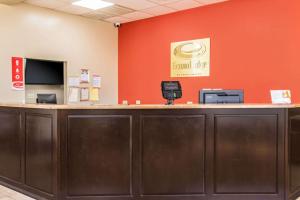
(44, 72)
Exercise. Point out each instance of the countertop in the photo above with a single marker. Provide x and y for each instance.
(145, 106)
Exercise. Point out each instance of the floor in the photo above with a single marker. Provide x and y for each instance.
(8, 194)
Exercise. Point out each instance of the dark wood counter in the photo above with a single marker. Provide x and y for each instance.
(151, 154)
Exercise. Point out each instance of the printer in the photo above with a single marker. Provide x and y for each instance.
(220, 96)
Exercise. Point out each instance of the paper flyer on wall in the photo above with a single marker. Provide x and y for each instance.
(74, 81)
(96, 81)
(73, 96)
(84, 94)
(84, 76)
(94, 94)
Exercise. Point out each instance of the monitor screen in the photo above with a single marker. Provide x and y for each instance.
(44, 72)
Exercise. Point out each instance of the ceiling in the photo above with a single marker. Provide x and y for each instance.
(10, 2)
(124, 10)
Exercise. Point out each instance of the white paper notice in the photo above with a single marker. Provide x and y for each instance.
(73, 81)
(96, 81)
(85, 76)
(94, 94)
(281, 96)
(73, 95)
(84, 94)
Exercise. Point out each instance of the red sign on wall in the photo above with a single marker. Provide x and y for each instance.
(17, 73)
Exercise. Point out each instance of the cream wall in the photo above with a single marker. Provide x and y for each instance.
(33, 32)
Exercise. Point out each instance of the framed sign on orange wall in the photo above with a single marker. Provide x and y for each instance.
(190, 58)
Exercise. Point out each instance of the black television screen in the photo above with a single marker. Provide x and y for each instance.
(44, 72)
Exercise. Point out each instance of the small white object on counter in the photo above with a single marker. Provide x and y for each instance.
(281, 96)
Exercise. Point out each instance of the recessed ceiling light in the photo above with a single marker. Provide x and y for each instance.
(92, 4)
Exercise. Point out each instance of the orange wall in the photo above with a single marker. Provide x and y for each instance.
(255, 45)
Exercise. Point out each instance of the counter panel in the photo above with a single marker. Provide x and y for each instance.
(10, 145)
(39, 152)
(99, 155)
(28, 151)
(246, 151)
(294, 153)
(172, 154)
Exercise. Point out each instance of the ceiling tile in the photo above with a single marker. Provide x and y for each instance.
(69, 1)
(124, 10)
(184, 4)
(10, 2)
(161, 2)
(134, 4)
(98, 15)
(159, 10)
(118, 19)
(46, 3)
(92, 16)
(137, 15)
(116, 10)
(77, 10)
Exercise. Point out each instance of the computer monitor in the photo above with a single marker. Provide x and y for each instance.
(171, 90)
(44, 72)
(46, 98)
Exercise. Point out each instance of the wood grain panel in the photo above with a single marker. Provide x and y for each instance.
(173, 155)
(294, 157)
(39, 152)
(10, 145)
(144, 154)
(99, 156)
(246, 154)
(293, 164)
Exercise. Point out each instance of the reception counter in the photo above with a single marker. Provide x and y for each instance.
(151, 152)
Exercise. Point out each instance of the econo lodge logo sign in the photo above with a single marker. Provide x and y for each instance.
(17, 73)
